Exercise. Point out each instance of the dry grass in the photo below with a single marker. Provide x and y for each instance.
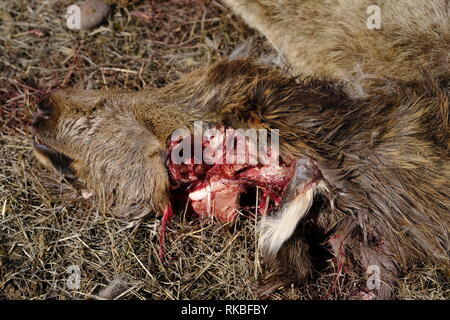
(46, 226)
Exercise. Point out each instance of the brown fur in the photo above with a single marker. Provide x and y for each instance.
(383, 156)
(384, 159)
(330, 38)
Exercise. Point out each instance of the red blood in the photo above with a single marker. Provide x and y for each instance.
(168, 213)
(217, 199)
(215, 189)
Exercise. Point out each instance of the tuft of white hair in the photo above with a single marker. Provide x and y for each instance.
(275, 230)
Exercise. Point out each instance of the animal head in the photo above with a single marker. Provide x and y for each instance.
(94, 136)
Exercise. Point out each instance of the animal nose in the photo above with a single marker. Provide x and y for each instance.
(40, 116)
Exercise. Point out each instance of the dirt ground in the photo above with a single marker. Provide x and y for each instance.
(46, 226)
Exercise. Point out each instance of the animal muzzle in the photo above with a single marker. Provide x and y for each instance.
(52, 158)
(40, 116)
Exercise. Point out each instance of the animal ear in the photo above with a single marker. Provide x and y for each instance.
(297, 200)
(80, 101)
(131, 212)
